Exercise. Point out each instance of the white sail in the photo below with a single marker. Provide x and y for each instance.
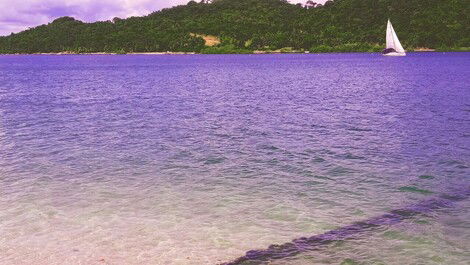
(392, 39)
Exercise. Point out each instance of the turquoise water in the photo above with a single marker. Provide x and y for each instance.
(199, 159)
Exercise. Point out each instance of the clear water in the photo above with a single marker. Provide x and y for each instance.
(198, 159)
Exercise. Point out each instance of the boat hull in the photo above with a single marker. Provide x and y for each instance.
(394, 54)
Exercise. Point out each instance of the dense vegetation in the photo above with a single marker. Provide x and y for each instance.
(244, 25)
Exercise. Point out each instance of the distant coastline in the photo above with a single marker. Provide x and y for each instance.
(280, 51)
(254, 27)
(102, 53)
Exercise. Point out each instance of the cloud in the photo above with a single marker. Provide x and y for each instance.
(19, 16)
(15, 17)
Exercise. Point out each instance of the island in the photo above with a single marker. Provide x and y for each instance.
(256, 26)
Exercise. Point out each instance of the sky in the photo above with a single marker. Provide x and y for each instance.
(18, 15)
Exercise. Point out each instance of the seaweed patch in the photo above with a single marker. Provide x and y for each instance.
(306, 244)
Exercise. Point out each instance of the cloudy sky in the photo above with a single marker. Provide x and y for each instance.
(18, 15)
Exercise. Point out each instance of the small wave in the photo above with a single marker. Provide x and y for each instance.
(415, 190)
(214, 160)
(356, 129)
(426, 177)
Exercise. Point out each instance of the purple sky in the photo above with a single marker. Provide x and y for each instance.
(16, 16)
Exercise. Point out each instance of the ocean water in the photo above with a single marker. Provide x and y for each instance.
(199, 159)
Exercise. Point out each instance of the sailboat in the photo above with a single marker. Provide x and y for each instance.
(393, 47)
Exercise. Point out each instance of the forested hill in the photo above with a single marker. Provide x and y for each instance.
(257, 25)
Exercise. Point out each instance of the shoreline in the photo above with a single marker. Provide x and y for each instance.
(419, 50)
(102, 53)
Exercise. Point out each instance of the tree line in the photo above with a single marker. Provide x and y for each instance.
(247, 25)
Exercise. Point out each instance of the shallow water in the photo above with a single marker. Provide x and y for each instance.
(198, 159)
